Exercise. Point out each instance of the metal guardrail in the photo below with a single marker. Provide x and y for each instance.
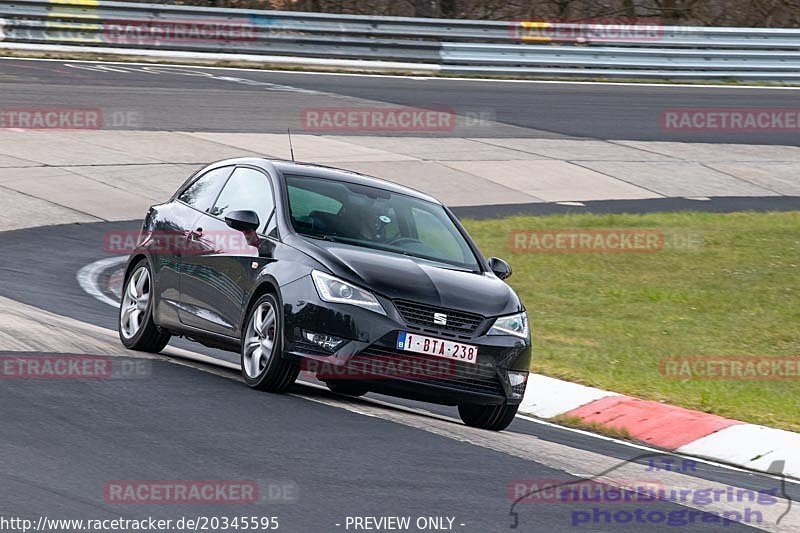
(449, 46)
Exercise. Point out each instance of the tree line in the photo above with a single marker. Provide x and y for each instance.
(740, 13)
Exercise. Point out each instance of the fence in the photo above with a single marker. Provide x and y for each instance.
(644, 49)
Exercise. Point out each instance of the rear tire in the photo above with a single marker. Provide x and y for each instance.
(347, 388)
(491, 417)
(263, 365)
(135, 324)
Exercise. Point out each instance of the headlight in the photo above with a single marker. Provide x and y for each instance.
(335, 290)
(516, 325)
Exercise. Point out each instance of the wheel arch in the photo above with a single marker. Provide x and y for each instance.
(267, 285)
(135, 259)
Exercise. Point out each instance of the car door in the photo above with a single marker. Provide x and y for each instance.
(169, 226)
(217, 272)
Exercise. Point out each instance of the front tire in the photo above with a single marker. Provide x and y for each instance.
(263, 365)
(491, 417)
(135, 324)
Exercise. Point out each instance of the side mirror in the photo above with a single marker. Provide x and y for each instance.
(244, 220)
(500, 268)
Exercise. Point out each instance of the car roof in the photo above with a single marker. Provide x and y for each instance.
(325, 172)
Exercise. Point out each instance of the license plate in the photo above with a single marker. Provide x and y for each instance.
(411, 342)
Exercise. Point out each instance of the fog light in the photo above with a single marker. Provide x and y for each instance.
(517, 380)
(329, 343)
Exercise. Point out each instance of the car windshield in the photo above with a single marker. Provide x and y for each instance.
(376, 218)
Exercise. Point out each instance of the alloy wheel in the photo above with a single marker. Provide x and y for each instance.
(259, 340)
(135, 300)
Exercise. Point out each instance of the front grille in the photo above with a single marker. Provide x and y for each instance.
(421, 315)
(480, 378)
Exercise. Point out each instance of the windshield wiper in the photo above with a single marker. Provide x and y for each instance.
(319, 237)
(439, 263)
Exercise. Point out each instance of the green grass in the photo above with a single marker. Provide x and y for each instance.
(608, 319)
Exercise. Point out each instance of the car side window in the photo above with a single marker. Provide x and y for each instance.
(312, 210)
(202, 193)
(305, 202)
(246, 189)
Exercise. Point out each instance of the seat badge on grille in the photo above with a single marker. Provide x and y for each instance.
(440, 319)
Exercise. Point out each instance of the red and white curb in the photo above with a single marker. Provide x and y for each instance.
(666, 426)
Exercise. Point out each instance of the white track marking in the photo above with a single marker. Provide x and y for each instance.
(88, 277)
(160, 69)
(423, 78)
(309, 62)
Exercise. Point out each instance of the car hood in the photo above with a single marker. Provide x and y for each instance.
(397, 276)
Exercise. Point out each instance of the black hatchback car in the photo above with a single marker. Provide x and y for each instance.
(368, 285)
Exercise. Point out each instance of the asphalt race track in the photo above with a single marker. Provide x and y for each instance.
(318, 458)
(225, 100)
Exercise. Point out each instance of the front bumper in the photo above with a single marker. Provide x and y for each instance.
(368, 352)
